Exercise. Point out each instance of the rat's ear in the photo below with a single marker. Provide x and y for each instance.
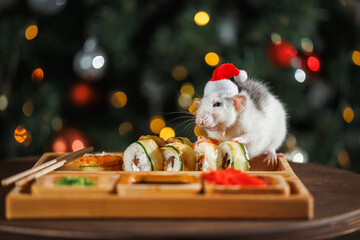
(239, 102)
(197, 103)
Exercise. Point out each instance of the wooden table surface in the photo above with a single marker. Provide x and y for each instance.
(337, 212)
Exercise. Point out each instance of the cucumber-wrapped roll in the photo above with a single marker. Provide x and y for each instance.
(159, 141)
(178, 157)
(208, 156)
(234, 155)
(143, 155)
(183, 140)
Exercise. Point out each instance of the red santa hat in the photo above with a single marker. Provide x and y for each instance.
(220, 82)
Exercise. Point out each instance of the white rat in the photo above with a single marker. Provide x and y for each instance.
(252, 116)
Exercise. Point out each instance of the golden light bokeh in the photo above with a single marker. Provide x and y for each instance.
(156, 124)
(348, 114)
(119, 99)
(28, 108)
(20, 133)
(193, 108)
(179, 73)
(199, 131)
(356, 57)
(28, 139)
(187, 90)
(125, 128)
(275, 38)
(167, 133)
(184, 102)
(212, 59)
(3, 102)
(37, 75)
(201, 18)
(31, 32)
(344, 159)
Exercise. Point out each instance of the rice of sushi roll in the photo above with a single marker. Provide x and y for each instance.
(208, 155)
(178, 157)
(183, 140)
(234, 155)
(143, 155)
(159, 141)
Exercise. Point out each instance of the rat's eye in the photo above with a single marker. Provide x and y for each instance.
(217, 104)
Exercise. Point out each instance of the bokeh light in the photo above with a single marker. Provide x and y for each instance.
(98, 62)
(81, 94)
(275, 38)
(59, 145)
(201, 18)
(179, 73)
(356, 57)
(28, 139)
(344, 159)
(56, 124)
(156, 124)
(199, 131)
(37, 75)
(313, 63)
(3, 102)
(77, 145)
(125, 128)
(167, 133)
(307, 45)
(118, 99)
(300, 75)
(193, 108)
(348, 114)
(31, 32)
(187, 90)
(28, 108)
(212, 59)
(298, 157)
(184, 102)
(20, 133)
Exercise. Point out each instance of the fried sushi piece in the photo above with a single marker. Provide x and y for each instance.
(183, 140)
(178, 157)
(234, 155)
(208, 156)
(101, 162)
(143, 155)
(159, 141)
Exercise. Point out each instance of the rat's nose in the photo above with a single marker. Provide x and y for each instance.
(199, 122)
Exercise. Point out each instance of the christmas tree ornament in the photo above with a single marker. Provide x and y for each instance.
(47, 7)
(220, 82)
(90, 62)
(281, 53)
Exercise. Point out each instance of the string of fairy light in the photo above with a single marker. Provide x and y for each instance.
(280, 53)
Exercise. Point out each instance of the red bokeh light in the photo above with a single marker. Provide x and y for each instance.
(313, 63)
(281, 53)
(81, 94)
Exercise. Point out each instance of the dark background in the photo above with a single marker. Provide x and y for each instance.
(142, 42)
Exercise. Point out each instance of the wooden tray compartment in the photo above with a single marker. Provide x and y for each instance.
(275, 185)
(144, 183)
(105, 183)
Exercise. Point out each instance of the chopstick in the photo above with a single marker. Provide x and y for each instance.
(44, 168)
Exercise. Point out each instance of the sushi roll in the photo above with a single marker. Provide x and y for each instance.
(183, 140)
(208, 155)
(234, 155)
(178, 157)
(143, 155)
(101, 162)
(159, 141)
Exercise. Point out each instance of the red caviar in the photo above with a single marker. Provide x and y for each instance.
(231, 176)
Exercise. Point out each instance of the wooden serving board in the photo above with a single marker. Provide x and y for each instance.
(286, 197)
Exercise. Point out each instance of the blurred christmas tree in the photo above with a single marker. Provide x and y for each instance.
(102, 73)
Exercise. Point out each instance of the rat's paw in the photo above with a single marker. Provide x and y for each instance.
(241, 139)
(271, 158)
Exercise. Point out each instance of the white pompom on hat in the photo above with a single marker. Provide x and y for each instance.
(220, 82)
